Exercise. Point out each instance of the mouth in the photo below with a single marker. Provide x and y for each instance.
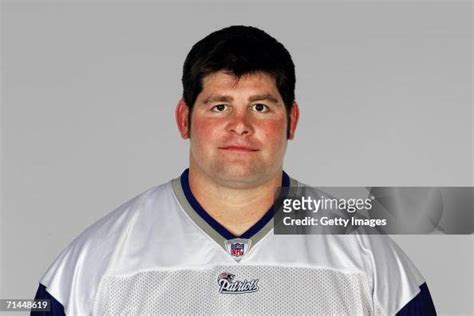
(238, 148)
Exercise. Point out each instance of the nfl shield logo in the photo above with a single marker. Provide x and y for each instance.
(237, 247)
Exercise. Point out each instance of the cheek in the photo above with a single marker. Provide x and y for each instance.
(203, 130)
(274, 132)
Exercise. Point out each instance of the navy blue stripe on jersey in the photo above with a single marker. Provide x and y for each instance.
(422, 304)
(56, 307)
(285, 183)
(213, 223)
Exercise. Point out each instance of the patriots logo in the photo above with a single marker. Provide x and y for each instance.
(227, 284)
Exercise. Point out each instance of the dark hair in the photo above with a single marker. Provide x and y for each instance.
(239, 50)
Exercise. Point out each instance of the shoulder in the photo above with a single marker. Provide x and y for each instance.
(108, 229)
(397, 283)
(73, 277)
(393, 278)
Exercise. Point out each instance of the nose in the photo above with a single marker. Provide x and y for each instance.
(240, 124)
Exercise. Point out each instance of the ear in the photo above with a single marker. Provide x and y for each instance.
(294, 117)
(182, 115)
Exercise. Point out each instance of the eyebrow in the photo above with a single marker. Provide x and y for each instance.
(261, 97)
(221, 98)
(258, 97)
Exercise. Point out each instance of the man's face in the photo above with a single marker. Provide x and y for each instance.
(238, 129)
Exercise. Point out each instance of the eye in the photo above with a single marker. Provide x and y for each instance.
(259, 107)
(219, 108)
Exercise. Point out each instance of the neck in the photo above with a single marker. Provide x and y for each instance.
(237, 209)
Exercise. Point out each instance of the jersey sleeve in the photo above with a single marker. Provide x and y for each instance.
(397, 285)
(74, 277)
(56, 308)
(421, 304)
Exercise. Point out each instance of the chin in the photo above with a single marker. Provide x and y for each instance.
(241, 177)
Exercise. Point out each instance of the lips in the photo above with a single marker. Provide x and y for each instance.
(238, 148)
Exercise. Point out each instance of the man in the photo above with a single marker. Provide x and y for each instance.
(204, 243)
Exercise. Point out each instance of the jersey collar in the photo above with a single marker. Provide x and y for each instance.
(209, 225)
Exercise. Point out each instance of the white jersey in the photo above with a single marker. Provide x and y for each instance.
(159, 254)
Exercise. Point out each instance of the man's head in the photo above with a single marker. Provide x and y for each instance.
(239, 95)
(238, 50)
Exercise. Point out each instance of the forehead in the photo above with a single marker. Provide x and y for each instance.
(224, 81)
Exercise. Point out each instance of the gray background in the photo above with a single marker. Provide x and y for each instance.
(88, 96)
